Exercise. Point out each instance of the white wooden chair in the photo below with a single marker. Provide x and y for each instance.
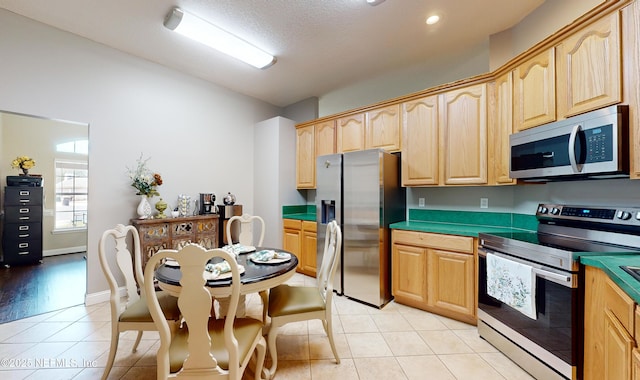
(245, 237)
(133, 314)
(246, 229)
(205, 347)
(300, 303)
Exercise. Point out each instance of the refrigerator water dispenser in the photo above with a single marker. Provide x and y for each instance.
(328, 211)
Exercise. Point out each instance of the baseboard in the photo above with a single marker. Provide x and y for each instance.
(64, 251)
(103, 296)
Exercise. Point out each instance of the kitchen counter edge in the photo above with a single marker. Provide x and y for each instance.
(611, 266)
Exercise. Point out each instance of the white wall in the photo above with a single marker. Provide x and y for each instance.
(275, 175)
(191, 129)
(437, 71)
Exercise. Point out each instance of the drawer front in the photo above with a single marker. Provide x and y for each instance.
(23, 214)
(16, 196)
(309, 226)
(620, 305)
(180, 230)
(293, 224)
(455, 243)
(22, 231)
(19, 251)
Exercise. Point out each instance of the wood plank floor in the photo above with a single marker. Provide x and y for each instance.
(59, 282)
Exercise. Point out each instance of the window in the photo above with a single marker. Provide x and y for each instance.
(78, 146)
(71, 194)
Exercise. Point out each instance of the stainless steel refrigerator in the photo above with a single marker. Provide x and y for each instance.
(361, 190)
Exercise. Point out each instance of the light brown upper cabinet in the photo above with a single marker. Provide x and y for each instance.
(420, 141)
(305, 158)
(383, 128)
(326, 138)
(631, 75)
(589, 67)
(534, 95)
(350, 132)
(501, 128)
(463, 136)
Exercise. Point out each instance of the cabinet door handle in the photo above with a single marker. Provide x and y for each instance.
(24, 218)
(24, 200)
(23, 253)
(23, 245)
(23, 228)
(25, 192)
(23, 235)
(24, 211)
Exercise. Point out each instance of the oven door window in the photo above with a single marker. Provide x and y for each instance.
(556, 327)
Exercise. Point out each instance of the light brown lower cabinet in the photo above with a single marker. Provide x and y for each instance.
(635, 366)
(435, 272)
(300, 238)
(610, 350)
(618, 346)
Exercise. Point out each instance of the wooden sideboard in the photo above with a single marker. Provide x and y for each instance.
(173, 233)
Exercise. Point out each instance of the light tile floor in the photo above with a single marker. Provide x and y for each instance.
(397, 342)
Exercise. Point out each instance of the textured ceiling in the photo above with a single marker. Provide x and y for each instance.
(321, 45)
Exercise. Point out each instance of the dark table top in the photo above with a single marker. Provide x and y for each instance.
(253, 272)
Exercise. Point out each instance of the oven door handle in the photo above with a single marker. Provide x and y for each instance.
(551, 276)
(562, 279)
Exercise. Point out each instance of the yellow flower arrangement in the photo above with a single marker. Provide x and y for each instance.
(23, 162)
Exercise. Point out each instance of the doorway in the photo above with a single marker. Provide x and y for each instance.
(60, 150)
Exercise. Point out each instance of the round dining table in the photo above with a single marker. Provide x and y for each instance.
(258, 277)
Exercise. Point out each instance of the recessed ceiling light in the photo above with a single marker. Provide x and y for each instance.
(374, 2)
(433, 19)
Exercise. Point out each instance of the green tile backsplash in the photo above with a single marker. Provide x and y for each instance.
(499, 219)
(489, 219)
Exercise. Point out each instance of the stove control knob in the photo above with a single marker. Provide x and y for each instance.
(624, 215)
(555, 211)
(543, 210)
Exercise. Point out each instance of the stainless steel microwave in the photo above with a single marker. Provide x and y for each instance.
(591, 145)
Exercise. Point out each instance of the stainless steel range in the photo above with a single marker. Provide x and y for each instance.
(538, 320)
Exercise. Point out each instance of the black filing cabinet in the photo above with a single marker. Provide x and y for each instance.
(22, 233)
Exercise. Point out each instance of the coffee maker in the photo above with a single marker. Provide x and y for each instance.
(207, 203)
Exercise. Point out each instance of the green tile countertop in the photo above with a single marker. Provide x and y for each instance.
(447, 228)
(299, 212)
(465, 223)
(611, 266)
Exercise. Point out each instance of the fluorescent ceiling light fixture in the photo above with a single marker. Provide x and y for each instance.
(433, 19)
(374, 2)
(206, 33)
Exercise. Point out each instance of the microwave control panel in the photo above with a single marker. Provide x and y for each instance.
(599, 144)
